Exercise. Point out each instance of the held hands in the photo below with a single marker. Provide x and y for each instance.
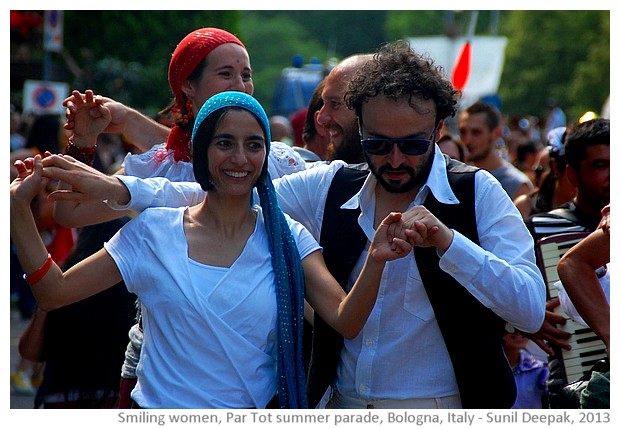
(421, 228)
(87, 183)
(385, 246)
(90, 114)
(29, 181)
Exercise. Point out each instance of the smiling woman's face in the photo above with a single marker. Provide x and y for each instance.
(237, 152)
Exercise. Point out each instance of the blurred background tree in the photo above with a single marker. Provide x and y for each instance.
(124, 54)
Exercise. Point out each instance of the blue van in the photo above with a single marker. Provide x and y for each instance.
(296, 85)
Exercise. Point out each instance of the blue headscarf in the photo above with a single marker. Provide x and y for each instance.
(285, 259)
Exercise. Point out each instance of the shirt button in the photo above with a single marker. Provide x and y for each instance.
(453, 268)
(363, 388)
(369, 343)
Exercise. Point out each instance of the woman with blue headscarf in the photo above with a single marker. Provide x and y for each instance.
(221, 284)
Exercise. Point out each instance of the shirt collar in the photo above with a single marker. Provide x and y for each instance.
(437, 183)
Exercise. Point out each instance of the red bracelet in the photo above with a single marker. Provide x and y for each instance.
(33, 278)
(82, 154)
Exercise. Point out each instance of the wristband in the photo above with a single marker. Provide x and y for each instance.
(82, 154)
(35, 277)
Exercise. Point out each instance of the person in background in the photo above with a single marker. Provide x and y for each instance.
(314, 134)
(298, 119)
(555, 189)
(531, 374)
(282, 129)
(44, 134)
(555, 117)
(18, 141)
(584, 271)
(526, 157)
(247, 330)
(588, 168)
(451, 145)
(336, 117)
(205, 62)
(581, 268)
(479, 129)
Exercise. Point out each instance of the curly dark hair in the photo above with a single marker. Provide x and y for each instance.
(397, 71)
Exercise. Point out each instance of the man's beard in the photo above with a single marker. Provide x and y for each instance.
(416, 176)
(349, 151)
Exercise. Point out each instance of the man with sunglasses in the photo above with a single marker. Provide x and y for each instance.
(440, 314)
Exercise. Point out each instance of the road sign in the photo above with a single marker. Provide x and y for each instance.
(52, 31)
(44, 97)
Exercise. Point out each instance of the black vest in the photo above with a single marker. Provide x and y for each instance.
(473, 333)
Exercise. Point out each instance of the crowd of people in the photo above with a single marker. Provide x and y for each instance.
(373, 232)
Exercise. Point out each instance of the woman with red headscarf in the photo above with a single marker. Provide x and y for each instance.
(206, 62)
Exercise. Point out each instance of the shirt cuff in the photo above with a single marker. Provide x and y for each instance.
(129, 182)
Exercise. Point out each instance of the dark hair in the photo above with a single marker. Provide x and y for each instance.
(584, 135)
(202, 141)
(492, 114)
(44, 133)
(396, 71)
(314, 105)
(446, 136)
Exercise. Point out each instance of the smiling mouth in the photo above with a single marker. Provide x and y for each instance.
(236, 174)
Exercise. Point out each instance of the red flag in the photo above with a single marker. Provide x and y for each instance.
(461, 70)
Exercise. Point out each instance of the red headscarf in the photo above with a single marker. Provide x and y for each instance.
(188, 54)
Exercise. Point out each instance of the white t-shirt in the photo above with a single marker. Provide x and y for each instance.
(207, 344)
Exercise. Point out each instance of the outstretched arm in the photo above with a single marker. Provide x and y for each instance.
(347, 313)
(577, 271)
(121, 192)
(139, 129)
(80, 199)
(51, 287)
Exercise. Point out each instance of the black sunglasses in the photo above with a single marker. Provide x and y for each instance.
(408, 146)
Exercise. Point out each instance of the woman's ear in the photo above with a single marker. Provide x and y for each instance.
(188, 90)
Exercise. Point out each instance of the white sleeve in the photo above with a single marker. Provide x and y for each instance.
(158, 192)
(302, 195)
(306, 244)
(501, 272)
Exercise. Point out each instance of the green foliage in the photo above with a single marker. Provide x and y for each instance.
(415, 23)
(273, 40)
(589, 86)
(556, 54)
(127, 56)
(412, 23)
(274, 37)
